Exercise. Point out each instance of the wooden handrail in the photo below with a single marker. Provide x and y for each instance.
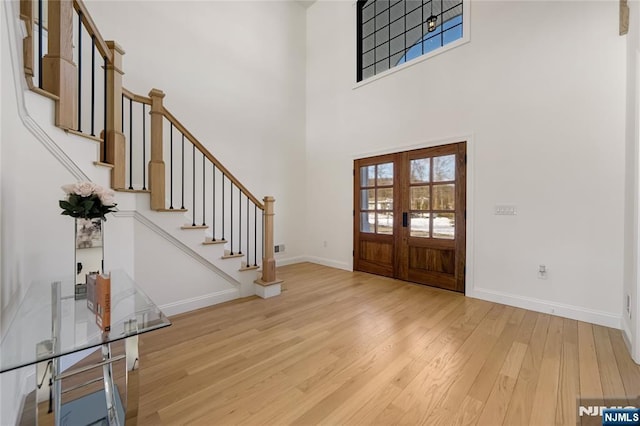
(211, 158)
(92, 29)
(136, 98)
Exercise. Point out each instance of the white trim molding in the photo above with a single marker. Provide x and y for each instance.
(193, 303)
(29, 123)
(593, 316)
(314, 259)
(179, 244)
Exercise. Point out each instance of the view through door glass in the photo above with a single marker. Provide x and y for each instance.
(432, 197)
(376, 198)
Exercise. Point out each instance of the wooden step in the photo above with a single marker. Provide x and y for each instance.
(172, 210)
(231, 256)
(84, 135)
(42, 92)
(186, 227)
(101, 164)
(211, 242)
(134, 191)
(249, 268)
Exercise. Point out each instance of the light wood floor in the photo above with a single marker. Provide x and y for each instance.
(352, 348)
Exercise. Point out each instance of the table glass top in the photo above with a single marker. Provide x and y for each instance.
(132, 313)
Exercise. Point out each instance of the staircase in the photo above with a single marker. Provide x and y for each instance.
(167, 177)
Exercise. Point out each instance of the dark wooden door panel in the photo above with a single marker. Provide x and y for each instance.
(376, 257)
(432, 260)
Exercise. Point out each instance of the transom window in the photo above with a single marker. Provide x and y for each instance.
(392, 32)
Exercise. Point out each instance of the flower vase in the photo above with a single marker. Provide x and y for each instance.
(88, 248)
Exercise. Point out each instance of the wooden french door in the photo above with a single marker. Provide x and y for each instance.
(409, 215)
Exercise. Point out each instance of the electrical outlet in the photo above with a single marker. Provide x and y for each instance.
(279, 248)
(629, 306)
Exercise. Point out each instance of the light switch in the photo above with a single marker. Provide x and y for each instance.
(505, 209)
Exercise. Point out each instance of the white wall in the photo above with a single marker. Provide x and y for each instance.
(630, 323)
(233, 73)
(181, 285)
(34, 235)
(540, 92)
(36, 159)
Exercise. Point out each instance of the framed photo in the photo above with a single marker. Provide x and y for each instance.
(88, 233)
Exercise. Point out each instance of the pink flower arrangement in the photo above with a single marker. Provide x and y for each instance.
(87, 200)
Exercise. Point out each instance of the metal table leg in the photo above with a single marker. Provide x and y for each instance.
(109, 387)
(132, 375)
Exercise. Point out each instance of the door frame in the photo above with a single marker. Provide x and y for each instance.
(469, 276)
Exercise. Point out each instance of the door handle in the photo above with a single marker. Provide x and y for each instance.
(405, 219)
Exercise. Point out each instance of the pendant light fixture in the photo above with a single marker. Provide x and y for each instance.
(432, 20)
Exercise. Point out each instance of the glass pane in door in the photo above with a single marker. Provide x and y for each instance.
(385, 174)
(444, 225)
(385, 199)
(420, 170)
(419, 197)
(444, 197)
(367, 222)
(367, 199)
(368, 176)
(384, 222)
(444, 168)
(420, 225)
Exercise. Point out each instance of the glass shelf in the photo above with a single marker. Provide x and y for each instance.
(132, 313)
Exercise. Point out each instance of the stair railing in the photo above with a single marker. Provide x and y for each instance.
(91, 101)
(197, 179)
(80, 70)
(136, 122)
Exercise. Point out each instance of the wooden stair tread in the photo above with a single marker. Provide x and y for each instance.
(101, 164)
(172, 210)
(211, 242)
(249, 268)
(231, 256)
(194, 227)
(44, 93)
(84, 135)
(135, 191)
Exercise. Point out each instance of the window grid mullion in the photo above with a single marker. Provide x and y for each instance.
(389, 37)
(422, 23)
(441, 22)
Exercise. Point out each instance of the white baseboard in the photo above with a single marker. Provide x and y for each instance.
(313, 259)
(186, 305)
(290, 260)
(626, 335)
(606, 319)
(329, 262)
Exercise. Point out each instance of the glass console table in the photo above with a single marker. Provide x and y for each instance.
(50, 323)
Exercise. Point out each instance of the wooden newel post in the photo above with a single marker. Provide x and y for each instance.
(268, 261)
(26, 15)
(116, 147)
(156, 165)
(59, 73)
